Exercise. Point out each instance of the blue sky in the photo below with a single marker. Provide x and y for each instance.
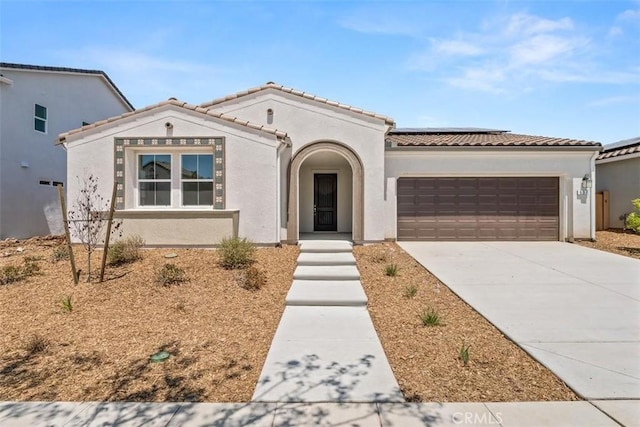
(553, 68)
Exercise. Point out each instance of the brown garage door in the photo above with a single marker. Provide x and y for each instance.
(522, 208)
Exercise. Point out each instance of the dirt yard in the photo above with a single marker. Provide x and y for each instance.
(217, 333)
(425, 359)
(617, 242)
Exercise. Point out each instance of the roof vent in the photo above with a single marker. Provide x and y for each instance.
(173, 99)
(271, 83)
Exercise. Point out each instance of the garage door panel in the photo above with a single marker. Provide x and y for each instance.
(502, 208)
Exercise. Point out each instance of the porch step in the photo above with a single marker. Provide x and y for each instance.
(314, 272)
(326, 293)
(325, 246)
(326, 258)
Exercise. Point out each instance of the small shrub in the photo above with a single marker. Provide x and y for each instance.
(60, 253)
(410, 291)
(251, 279)
(29, 267)
(170, 274)
(391, 270)
(36, 344)
(67, 304)
(237, 253)
(10, 274)
(125, 251)
(632, 221)
(463, 354)
(380, 257)
(430, 317)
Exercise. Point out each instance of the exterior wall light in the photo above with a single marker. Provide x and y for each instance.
(586, 181)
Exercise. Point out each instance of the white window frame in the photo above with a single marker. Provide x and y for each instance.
(139, 180)
(44, 120)
(212, 181)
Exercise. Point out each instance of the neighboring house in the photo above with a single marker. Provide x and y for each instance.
(272, 163)
(36, 104)
(618, 173)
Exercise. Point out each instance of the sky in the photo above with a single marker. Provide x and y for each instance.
(566, 69)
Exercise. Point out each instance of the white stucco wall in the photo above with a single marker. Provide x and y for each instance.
(622, 179)
(250, 164)
(26, 207)
(307, 122)
(577, 214)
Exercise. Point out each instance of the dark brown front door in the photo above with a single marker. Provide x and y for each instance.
(325, 202)
(504, 208)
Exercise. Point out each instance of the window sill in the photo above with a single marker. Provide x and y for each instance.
(176, 213)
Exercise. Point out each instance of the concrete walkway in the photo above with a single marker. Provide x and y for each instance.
(130, 414)
(325, 348)
(575, 309)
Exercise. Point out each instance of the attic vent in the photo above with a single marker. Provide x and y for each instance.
(269, 116)
(271, 83)
(173, 99)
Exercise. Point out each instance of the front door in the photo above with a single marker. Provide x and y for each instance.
(325, 202)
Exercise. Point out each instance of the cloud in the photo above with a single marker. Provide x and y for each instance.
(613, 100)
(630, 15)
(525, 24)
(518, 53)
(455, 47)
(543, 48)
(380, 21)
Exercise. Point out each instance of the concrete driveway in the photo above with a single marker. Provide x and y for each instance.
(575, 309)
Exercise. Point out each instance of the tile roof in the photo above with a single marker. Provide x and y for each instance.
(621, 148)
(177, 103)
(272, 85)
(477, 138)
(66, 70)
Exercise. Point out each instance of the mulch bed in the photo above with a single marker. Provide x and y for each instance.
(616, 241)
(425, 359)
(217, 333)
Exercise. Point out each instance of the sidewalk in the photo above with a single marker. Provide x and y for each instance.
(127, 414)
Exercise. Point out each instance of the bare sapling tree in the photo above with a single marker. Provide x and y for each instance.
(88, 218)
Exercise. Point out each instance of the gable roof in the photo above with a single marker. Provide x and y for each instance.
(301, 94)
(176, 103)
(68, 70)
(475, 137)
(622, 148)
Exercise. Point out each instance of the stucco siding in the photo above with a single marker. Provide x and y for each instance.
(577, 217)
(250, 168)
(622, 179)
(307, 122)
(29, 156)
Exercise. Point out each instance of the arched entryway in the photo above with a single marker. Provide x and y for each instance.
(316, 163)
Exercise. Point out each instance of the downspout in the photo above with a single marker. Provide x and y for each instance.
(592, 196)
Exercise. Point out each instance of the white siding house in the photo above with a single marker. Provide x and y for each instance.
(618, 169)
(273, 163)
(36, 104)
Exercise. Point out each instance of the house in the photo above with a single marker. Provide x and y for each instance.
(618, 172)
(36, 104)
(273, 163)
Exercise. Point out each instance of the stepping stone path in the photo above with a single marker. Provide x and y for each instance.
(326, 348)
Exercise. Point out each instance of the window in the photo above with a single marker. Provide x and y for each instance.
(40, 119)
(154, 179)
(197, 179)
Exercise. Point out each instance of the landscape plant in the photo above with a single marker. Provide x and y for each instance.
(88, 218)
(430, 317)
(391, 270)
(170, 274)
(463, 354)
(251, 279)
(67, 304)
(125, 251)
(236, 252)
(632, 221)
(410, 291)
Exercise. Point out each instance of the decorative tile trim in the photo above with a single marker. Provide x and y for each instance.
(184, 144)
